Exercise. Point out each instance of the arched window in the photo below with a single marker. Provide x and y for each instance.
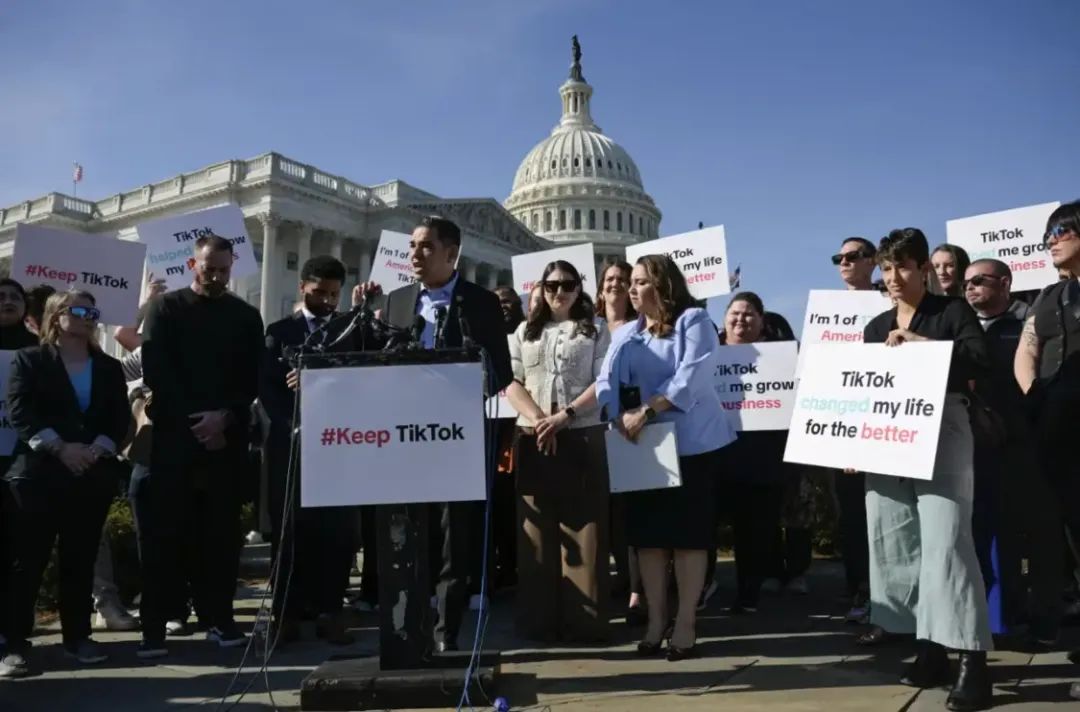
(554, 164)
(609, 165)
(640, 226)
(535, 221)
(588, 163)
(577, 162)
(562, 219)
(607, 220)
(592, 218)
(547, 221)
(618, 166)
(618, 221)
(577, 219)
(630, 222)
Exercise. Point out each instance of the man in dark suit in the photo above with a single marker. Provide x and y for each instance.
(314, 544)
(449, 304)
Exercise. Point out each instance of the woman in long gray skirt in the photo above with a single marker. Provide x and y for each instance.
(924, 573)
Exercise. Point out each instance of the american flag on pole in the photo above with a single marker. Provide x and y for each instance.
(735, 279)
(76, 173)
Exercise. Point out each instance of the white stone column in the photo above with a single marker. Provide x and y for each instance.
(366, 252)
(469, 270)
(492, 277)
(336, 246)
(268, 303)
(303, 245)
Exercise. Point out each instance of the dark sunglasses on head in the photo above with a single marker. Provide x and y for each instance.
(979, 280)
(848, 256)
(567, 285)
(87, 313)
(1056, 233)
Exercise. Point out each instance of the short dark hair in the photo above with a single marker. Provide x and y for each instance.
(1067, 216)
(750, 298)
(216, 243)
(1000, 268)
(322, 267)
(9, 282)
(445, 230)
(863, 242)
(36, 297)
(902, 244)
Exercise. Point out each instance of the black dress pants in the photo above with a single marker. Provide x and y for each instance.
(193, 501)
(68, 511)
(854, 540)
(754, 512)
(452, 526)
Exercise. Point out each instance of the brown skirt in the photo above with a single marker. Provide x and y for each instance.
(563, 550)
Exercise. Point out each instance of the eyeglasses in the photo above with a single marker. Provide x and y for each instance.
(1056, 233)
(979, 280)
(849, 256)
(567, 285)
(87, 313)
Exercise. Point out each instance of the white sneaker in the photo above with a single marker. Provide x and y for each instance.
(254, 537)
(177, 629)
(770, 585)
(111, 616)
(798, 585)
(476, 601)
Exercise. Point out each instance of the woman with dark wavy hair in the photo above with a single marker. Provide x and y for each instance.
(562, 481)
(949, 264)
(660, 368)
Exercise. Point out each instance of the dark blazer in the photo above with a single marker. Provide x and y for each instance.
(482, 314)
(277, 398)
(40, 396)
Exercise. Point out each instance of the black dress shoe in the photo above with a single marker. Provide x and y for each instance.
(972, 690)
(930, 669)
(675, 654)
(446, 646)
(646, 649)
(636, 616)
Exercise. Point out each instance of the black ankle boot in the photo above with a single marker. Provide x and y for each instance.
(930, 669)
(972, 690)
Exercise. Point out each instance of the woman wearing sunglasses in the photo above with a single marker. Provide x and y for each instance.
(562, 469)
(67, 402)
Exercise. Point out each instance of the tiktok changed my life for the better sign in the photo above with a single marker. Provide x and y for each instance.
(870, 407)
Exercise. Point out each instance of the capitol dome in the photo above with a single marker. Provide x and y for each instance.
(578, 185)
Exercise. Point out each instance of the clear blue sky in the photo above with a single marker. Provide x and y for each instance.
(792, 123)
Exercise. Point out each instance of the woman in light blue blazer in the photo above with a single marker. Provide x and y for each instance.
(661, 368)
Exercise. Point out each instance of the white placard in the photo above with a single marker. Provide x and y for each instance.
(838, 316)
(499, 407)
(170, 243)
(870, 407)
(108, 268)
(7, 433)
(392, 435)
(1012, 236)
(650, 463)
(756, 384)
(528, 269)
(391, 267)
(701, 255)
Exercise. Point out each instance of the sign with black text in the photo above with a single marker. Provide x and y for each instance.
(1012, 236)
(870, 407)
(528, 269)
(392, 435)
(756, 384)
(106, 267)
(839, 316)
(701, 256)
(170, 243)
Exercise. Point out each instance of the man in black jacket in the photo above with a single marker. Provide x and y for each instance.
(314, 545)
(448, 305)
(202, 349)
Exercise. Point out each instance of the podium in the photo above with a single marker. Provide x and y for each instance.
(407, 672)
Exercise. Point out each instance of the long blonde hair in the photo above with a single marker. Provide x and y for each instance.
(54, 309)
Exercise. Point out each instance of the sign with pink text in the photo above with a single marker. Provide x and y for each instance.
(839, 316)
(106, 267)
(870, 407)
(170, 243)
(528, 269)
(701, 255)
(1012, 236)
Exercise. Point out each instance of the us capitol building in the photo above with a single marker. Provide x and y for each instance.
(577, 185)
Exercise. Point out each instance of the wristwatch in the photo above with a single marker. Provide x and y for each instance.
(570, 412)
(649, 412)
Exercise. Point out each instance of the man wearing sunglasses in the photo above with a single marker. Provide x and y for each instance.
(856, 263)
(1047, 368)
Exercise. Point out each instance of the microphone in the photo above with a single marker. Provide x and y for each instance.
(416, 333)
(463, 323)
(440, 327)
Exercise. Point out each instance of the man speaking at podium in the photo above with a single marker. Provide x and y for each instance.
(452, 310)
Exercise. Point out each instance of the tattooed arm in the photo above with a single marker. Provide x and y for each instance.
(1028, 351)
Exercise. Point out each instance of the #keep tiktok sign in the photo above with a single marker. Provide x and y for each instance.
(870, 407)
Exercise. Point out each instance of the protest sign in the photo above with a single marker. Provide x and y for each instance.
(838, 316)
(424, 443)
(170, 243)
(756, 384)
(7, 433)
(650, 463)
(701, 255)
(499, 407)
(108, 268)
(392, 267)
(870, 407)
(528, 269)
(1012, 236)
